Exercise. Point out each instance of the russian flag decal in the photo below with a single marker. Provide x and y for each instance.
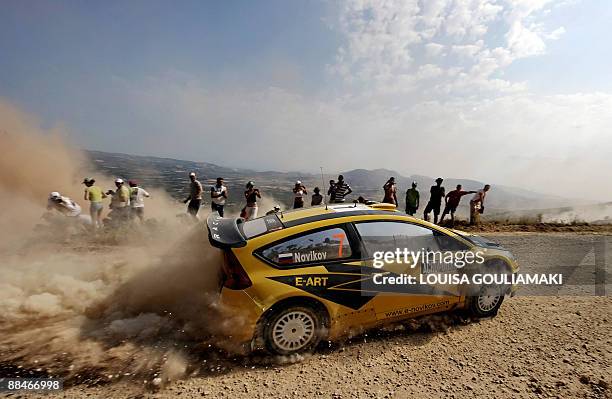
(284, 259)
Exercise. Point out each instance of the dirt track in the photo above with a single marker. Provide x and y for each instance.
(557, 346)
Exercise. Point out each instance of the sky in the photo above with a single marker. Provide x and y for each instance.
(515, 92)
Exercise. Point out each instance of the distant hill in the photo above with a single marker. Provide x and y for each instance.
(172, 175)
(500, 196)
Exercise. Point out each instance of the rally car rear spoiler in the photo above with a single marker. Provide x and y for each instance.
(224, 232)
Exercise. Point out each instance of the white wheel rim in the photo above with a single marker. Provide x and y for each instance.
(489, 298)
(293, 331)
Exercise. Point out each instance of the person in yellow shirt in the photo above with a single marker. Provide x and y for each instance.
(120, 201)
(94, 195)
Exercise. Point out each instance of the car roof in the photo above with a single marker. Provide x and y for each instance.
(308, 215)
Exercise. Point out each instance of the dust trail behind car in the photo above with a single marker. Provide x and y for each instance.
(126, 313)
(76, 307)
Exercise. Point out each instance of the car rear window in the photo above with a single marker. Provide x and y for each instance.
(262, 225)
(316, 247)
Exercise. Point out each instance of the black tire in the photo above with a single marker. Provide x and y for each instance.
(487, 302)
(293, 329)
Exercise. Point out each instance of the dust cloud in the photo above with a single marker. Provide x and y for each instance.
(32, 162)
(595, 214)
(95, 307)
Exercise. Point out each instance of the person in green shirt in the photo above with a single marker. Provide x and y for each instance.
(412, 199)
(94, 195)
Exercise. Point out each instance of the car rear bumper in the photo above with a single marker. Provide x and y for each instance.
(241, 314)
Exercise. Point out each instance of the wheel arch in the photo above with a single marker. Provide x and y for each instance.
(299, 301)
(499, 264)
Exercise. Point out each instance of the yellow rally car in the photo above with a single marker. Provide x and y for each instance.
(291, 279)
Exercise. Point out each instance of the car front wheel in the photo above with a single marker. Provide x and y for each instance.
(487, 302)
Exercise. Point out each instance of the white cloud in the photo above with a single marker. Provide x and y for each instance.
(467, 51)
(395, 38)
(416, 98)
(470, 19)
(429, 71)
(432, 16)
(524, 42)
(434, 49)
(556, 34)
(519, 139)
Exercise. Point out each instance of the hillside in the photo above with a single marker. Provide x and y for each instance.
(171, 174)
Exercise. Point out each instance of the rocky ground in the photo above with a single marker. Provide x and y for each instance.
(537, 346)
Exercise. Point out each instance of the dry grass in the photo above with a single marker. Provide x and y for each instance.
(528, 224)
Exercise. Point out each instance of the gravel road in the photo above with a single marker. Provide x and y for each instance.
(538, 346)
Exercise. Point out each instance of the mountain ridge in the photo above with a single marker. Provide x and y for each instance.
(171, 174)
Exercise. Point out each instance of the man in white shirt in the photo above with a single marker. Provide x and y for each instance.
(63, 205)
(218, 195)
(195, 196)
(66, 207)
(477, 205)
(137, 196)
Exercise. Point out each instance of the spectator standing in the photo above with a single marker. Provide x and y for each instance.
(413, 198)
(477, 205)
(452, 200)
(435, 200)
(299, 191)
(137, 196)
(120, 201)
(218, 195)
(94, 195)
(390, 192)
(341, 190)
(195, 196)
(251, 194)
(317, 198)
(331, 191)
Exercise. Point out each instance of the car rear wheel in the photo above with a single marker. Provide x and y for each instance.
(294, 329)
(487, 302)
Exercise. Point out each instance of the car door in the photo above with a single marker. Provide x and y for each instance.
(326, 263)
(405, 240)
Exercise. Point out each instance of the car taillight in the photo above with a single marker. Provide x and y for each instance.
(234, 276)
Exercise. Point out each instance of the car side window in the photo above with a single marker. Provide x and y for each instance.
(316, 247)
(388, 236)
(448, 243)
